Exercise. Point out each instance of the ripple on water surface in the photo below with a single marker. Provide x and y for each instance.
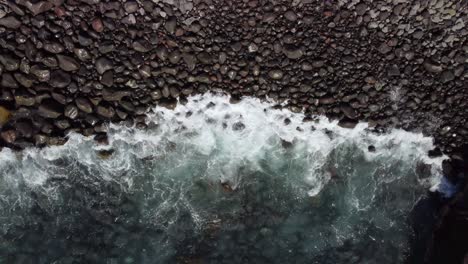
(216, 182)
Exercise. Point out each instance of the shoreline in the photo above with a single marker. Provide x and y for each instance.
(78, 65)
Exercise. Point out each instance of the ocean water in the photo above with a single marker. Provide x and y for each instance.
(215, 182)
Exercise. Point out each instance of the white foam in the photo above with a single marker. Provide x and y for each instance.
(210, 131)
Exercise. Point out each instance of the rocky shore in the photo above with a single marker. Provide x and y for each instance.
(75, 65)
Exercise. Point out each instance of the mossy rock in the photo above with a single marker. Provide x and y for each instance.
(5, 115)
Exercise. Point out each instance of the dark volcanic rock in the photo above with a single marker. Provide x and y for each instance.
(292, 52)
(170, 25)
(54, 47)
(67, 63)
(141, 46)
(10, 22)
(37, 8)
(275, 74)
(107, 112)
(103, 64)
(290, 15)
(107, 78)
(71, 112)
(24, 79)
(131, 6)
(8, 136)
(50, 109)
(41, 72)
(9, 62)
(8, 81)
(82, 54)
(346, 123)
(97, 25)
(447, 76)
(431, 67)
(84, 105)
(349, 111)
(59, 79)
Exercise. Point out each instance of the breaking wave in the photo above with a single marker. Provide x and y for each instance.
(217, 182)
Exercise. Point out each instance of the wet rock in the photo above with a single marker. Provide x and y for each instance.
(5, 115)
(10, 22)
(59, 79)
(8, 81)
(105, 154)
(62, 99)
(25, 100)
(8, 136)
(107, 112)
(62, 124)
(84, 105)
(156, 94)
(9, 62)
(24, 129)
(114, 95)
(348, 111)
(128, 106)
(67, 63)
(6, 95)
(50, 62)
(238, 126)
(145, 71)
(275, 74)
(71, 112)
(54, 47)
(50, 109)
(326, 100)
(41, 72)
(24, 79)
(103, 64)
(346, 123)
(434, 153)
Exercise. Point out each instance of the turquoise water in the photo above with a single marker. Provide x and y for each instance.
(214, 182)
